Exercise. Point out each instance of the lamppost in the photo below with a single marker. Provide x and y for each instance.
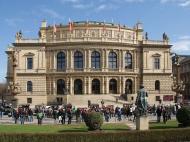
(178, 85)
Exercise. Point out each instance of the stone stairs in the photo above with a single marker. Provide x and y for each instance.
(82, 100)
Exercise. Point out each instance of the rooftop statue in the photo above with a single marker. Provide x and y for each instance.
(141, 101)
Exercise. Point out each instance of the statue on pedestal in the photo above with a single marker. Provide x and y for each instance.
(141, 102)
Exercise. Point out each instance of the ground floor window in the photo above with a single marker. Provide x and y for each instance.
(168, 98)
(128, 86)
(157, 98)
(113, 86)
(95, 86)
(29, 100)
(60, 87)
(78, 88)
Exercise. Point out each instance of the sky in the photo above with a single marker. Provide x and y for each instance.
(157, 16)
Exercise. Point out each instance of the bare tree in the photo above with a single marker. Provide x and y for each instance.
(3, 91)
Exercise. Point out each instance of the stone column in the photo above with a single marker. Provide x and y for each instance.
(107, 85)
(54, 61)
(119, 60)
(89, 59)
(71, 86)
(102, 86)
(85, 60)
(106, 60)
(135, 61)
(89, 85)
(85, 86)
(54, 86)
(102, 60)
(67, 60)
(119, 85)
(123, 84)
(71, 60)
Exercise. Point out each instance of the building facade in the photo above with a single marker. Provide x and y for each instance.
(85, 61)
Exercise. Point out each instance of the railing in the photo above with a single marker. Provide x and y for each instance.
(157, 42)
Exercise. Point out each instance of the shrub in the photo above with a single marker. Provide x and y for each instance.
(93, 120)
(183, 116)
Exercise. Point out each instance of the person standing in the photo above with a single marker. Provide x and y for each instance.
(40, 117)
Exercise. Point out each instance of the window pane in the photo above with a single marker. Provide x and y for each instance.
(29, 63)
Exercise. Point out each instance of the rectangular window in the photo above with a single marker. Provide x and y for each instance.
(157, 98)
(168, 98)
(29, 63)
(29, 100)
(156, 63)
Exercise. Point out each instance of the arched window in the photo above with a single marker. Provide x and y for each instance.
(113, 86)
(112, 60)
(128, 61)
(61, 61)
(128, 86)
(95, 86)
(60, 87)
(78, 86)
(78, 60)
(95, 60)
(29, 86)
(157, 85)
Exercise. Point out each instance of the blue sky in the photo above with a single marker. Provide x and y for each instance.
(157, 16)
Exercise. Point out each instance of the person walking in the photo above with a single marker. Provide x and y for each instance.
(40, 117)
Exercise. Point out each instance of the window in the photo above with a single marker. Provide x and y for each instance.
(112, 60)
(61, 61)
(157, 85)
(95, 86)
(61, 87)
(128, 86)
(29, 63)
(29, 86)
(60, 101)
(78, 60)
(156, 63)
(78, 86)
(95, 60)
(29, 100)
(168, 98)
(128, 61)
(157, 98)
(113, 86)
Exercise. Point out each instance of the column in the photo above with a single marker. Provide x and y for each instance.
(89, 85)
(122, 61)
(107, 85)
(85, 60)
(89, 59)
(85, 86)
(102, 86)
(102, 60)
(54, 60)
(119, 85)
(123, 84)
(71, 60)
(67, 60)
(54, 87)
(119, 60)
(106, 60)
(71, 86)
(134, 60)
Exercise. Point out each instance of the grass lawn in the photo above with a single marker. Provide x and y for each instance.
(58, 128)
(161, 125)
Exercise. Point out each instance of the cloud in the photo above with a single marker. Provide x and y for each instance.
(182, 3)
(99, 5)
(13, 22)
(182, 46)
(51, 13)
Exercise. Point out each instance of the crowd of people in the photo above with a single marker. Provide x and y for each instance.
(69, 113)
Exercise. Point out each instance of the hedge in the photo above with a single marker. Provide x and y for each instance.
(169, 135)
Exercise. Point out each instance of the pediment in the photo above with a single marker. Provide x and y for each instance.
(156, 55)
(29, 54)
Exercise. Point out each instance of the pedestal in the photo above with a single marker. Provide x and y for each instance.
(142, 123)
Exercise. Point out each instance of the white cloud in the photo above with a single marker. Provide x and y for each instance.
(51, 13)
(182, 46)
(13, 21)
(182, 3)
(71, 1)
(83, 6)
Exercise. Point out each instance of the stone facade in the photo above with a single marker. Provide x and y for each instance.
(96, 59)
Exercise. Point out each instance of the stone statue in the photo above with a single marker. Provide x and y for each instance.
(19, 35)
(141, 101)
(146, 36)
(165, 37)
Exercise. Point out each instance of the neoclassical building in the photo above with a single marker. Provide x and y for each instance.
(85, 61)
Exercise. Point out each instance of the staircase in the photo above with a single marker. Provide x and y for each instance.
(82, 100)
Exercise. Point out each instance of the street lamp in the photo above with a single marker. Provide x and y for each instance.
(178, 85)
